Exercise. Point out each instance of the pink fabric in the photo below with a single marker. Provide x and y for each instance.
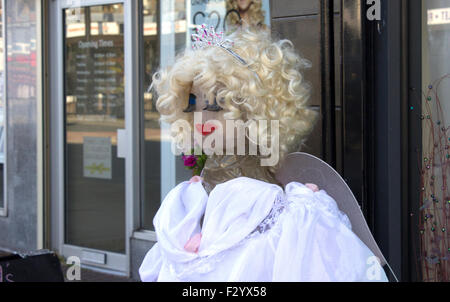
(195, 179)
(313, 187)
(193, 243)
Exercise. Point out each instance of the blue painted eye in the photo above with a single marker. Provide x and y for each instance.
(213, 107)
(191, 104)
(192, 99)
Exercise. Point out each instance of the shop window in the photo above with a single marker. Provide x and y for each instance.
(151, 136)
(2, 116)
(434, 164)
(94, 84)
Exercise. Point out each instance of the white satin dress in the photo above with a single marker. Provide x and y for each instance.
(256, 231)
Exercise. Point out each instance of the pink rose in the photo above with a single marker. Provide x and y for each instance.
(190, 160)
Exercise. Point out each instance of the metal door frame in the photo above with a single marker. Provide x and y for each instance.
(119, 263)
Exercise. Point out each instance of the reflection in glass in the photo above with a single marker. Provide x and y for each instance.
(160, 46)
(2, 111)
(94, 98)
(151, 159)
(250, 12)
(435, 164)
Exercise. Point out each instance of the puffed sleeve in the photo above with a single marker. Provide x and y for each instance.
(177, 220)
(151, 265)
(317, 244)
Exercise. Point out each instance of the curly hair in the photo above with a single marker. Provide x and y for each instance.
(269, 87)
(255, 13)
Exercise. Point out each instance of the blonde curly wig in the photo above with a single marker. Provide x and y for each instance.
(255, 13)
(276, 92)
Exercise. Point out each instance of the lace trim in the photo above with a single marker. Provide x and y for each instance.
(280, 204)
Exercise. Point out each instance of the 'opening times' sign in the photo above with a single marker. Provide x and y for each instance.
(439, 16)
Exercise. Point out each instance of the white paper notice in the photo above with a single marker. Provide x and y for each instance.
(439, 16)
(97, 157)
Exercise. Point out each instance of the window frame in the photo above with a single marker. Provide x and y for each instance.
(4, 207)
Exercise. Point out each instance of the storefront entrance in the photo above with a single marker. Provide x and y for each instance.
(111, 163)
(91, 134)
(111, 160)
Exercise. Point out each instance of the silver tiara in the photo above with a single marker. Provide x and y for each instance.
(208, 37)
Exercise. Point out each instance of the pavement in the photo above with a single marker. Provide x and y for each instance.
(4, 254)
(88, 275)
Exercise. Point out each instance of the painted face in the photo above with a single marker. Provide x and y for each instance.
(209, 120)
(212, 113)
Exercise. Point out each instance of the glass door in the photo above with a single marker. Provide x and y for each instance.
(94, 161)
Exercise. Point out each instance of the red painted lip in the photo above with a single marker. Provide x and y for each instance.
(205, 129)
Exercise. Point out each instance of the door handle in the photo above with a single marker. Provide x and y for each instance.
(121, 143)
